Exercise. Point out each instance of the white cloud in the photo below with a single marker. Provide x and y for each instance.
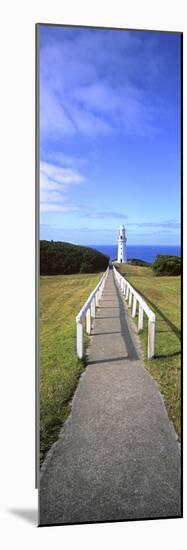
(95, 82)
(61, 159)
(53, 207)
(95, 215)
(60, 175)
(54, 180)
(169, 224)
(53, 118)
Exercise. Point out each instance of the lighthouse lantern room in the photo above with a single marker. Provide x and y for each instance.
(122, 258)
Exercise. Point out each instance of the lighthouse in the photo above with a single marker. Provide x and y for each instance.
(122, 258)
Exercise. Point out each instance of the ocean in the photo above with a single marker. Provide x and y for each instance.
(147, 253)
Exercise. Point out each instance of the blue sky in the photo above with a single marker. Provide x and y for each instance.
(109, 135)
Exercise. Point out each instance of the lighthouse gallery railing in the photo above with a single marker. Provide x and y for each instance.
(133, 298)
(88, 310)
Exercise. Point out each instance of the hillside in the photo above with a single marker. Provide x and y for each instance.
(60, 258)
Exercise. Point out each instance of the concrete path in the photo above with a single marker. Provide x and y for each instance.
(117, 457)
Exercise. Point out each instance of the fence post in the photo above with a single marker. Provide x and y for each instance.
(97, 298)
(140, 318)
(79, 339)
(134, 306)
(100, 291)
(130, 298)
(127, 293)
(93, 307)
(88, 321)
(151, 338)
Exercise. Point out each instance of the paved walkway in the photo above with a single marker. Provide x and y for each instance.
(117, 456)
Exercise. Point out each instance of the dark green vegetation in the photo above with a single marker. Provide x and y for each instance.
(167, 265)
(61, 298)
(58, 258)
(163, 296)
(135, 261)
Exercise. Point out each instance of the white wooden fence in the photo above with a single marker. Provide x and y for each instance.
(133, 299)
(89, 310)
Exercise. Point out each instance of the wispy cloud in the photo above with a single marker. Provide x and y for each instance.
(81, 92)
(56, 207)
(54, 181)
(59, 175)
(60, 159)
(81, 229)
(170, 224)
(96, 215)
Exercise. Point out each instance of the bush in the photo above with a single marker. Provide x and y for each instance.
(167, 265)
(58, 258)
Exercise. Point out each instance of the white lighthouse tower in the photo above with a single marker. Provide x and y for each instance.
(122, 258)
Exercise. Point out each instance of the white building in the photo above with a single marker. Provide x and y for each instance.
(122, 257)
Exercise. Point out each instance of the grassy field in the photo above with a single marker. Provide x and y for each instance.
(61, 298)
(163, 296)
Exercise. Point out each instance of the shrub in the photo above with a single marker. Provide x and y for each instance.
(167, 265)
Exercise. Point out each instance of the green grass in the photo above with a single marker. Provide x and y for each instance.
(61, 298)
(163, 296)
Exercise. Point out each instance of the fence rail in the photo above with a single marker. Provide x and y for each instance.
(133, 298)
(88, 310)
